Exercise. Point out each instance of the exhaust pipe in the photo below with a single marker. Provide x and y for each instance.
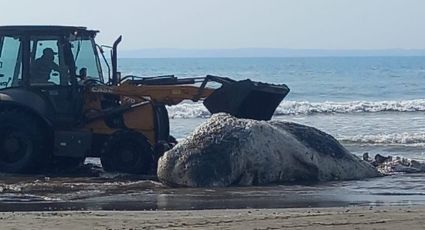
(114, 60)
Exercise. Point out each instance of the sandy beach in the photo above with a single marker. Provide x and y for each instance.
(367, 217)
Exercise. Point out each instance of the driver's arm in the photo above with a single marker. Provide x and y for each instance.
(55, 67)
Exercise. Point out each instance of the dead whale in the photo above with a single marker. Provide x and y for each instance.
(227, 151)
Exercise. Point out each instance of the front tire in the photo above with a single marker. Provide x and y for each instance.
(129, 152)
(23, 141)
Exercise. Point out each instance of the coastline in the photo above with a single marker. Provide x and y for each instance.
(353, 217)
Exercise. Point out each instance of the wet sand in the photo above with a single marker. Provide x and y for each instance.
(120, 192)
(117, 201)
(301, 218)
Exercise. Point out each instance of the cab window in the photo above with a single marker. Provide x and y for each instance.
(47, 63)
(10, 62)
(86, 60)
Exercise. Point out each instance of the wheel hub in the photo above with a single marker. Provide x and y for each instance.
(11, 145)
(127, 155)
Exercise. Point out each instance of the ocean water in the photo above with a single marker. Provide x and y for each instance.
(370, 104)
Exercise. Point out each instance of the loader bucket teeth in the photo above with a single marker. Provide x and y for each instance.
(247, 99)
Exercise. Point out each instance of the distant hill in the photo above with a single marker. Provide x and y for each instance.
(264, 52)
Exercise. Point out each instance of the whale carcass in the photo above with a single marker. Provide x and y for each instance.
(227, 151)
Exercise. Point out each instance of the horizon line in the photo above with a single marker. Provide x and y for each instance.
(293, 49)
(264, 52)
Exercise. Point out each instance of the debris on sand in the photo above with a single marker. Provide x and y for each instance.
(390, 164)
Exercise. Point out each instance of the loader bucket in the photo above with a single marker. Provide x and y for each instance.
(247, 99)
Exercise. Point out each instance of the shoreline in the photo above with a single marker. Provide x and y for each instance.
(353, 217)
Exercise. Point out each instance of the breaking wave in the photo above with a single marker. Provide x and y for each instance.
(295, 107)
(416, 139)
(188, 110)
(197, 110)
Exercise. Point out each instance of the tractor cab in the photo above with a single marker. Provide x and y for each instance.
(68, 52)
(51, 61)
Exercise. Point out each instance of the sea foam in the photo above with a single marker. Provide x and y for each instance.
(197, 110)
(305, 107)
(405, 138)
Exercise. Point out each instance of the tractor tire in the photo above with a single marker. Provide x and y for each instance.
(128, 152)
(23, 142)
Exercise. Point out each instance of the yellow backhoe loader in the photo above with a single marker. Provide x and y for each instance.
(57, 107)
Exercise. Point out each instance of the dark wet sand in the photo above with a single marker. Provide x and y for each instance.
(303, 218)
(134, 193)
(114, 201)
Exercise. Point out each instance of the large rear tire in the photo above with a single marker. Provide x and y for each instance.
(23, 142)
(129, 152)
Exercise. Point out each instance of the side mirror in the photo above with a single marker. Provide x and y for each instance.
(1, 75)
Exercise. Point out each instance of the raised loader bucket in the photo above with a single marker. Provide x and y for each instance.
(247, 99)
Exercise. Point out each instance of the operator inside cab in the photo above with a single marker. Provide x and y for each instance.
(43, 66)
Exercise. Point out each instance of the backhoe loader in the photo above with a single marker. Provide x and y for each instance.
(57, 107)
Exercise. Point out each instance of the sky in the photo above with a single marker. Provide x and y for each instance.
(230, 24)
